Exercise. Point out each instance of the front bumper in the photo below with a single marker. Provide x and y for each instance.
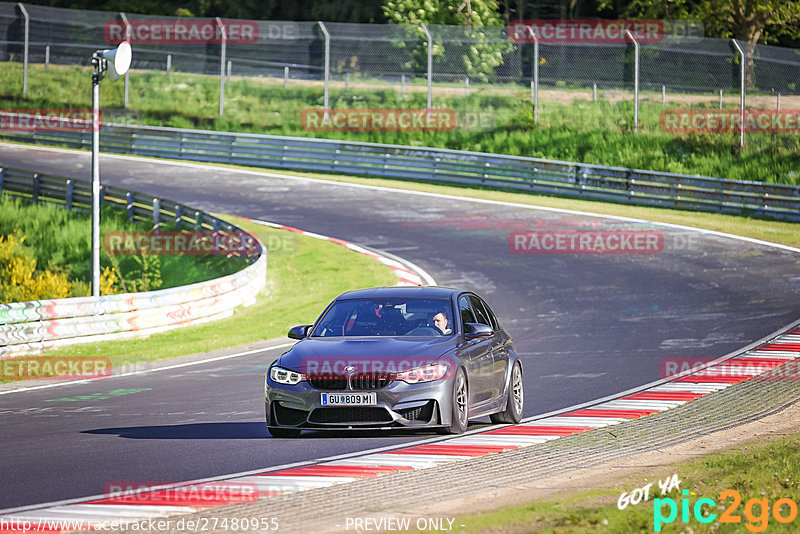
(399, 405)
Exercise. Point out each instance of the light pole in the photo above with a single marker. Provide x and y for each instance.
(117, 62)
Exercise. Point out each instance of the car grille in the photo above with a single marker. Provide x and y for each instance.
(420, 413)
(328, 382)
(358, 382)
(350, 414)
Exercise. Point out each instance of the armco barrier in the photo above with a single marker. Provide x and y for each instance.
(597, 182)
(30, 326)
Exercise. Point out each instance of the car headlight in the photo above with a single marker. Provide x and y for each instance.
(425, 373)
(285, 376)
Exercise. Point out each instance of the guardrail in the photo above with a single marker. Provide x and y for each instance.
(597, 182)
(30, 326)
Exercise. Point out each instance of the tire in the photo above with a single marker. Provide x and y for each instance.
(277, 432)
(459, 407)
(516, 399)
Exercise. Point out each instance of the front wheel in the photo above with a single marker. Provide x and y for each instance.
(516, 399)
(459, 406)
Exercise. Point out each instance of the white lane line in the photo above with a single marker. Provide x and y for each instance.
(292, 483)
(788, 338)
(576, 421)
(411, 460)
(691, 388)
(639, 405)
(519, 441)
(777, 354)
(155, 369)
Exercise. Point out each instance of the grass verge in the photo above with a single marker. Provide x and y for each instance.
(761, 473)
(493, 118)
(304, 274)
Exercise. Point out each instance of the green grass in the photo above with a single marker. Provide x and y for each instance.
(304, 274)
(755, 470)
(60, 241)
(582, 131)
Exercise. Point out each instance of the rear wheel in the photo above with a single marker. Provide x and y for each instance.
(277, 432)
(459, 406)
(516, 399)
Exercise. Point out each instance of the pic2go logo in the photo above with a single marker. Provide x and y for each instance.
(756, 511)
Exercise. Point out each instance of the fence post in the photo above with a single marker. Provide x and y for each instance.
(630, 36)
(347, 82)
(430, 63)
(594, 91)
(285, 77)
(535, 75)
(46, 56)
(129, 206)
(327, 63)
(25, 50)
(230, 68)
(156, 214)
(742, 94)
(36, 185)
(720, 99)
(127, 74)
(2, 176)
(663, 95)
(178, 216)
(198, 221)
(779, 101)
(169, 65)
(222, 67)
(466, 85)
(70, 192)
(402, 84)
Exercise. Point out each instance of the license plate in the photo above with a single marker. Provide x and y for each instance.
(349, 399)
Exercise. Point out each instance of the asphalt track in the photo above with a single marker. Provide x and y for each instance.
(585, 325)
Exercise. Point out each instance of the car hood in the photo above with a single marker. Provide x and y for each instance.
(385, 354)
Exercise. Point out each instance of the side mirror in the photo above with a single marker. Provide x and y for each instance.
(473, 330)
(299, 332)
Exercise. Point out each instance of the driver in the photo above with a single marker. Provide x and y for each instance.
(440, 322)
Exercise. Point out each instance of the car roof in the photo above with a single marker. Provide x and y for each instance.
(402, 291)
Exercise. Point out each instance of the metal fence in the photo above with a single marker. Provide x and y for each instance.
(31, 326)
(493, 69)
(649, 188)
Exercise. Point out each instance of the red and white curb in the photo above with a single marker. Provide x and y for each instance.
(408, 274)
(688, 386)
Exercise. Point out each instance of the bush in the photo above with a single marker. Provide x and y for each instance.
(19, 281)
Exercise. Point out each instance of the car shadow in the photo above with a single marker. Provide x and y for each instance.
(253, 430)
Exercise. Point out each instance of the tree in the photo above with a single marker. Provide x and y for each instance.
(752, 21)
(482, 46)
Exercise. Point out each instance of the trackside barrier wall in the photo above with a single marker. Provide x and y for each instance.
(596, 182)
(31, 326)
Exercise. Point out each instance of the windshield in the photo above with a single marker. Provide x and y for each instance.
(387, 317)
